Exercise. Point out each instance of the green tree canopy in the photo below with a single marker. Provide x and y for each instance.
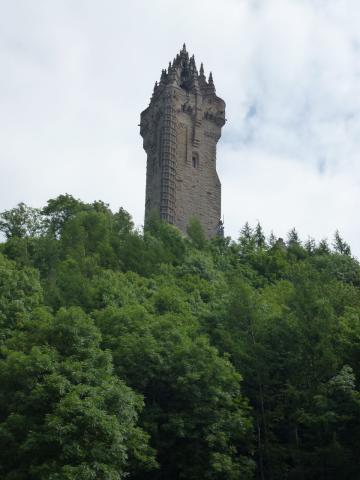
(63, 412)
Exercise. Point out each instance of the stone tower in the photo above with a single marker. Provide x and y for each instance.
(180, 129)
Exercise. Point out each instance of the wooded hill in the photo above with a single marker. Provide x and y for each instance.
(147, 355)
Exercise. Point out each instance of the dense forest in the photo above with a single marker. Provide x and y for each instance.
(151, 356)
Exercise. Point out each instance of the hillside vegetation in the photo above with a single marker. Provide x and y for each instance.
(147, 355)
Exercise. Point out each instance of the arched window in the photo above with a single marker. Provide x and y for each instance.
(195, 160)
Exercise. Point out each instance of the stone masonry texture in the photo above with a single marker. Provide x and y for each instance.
(180, 130)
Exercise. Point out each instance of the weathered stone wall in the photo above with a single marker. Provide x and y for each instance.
(198, 189)
(181, 128)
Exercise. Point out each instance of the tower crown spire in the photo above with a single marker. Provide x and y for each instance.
(182, 71)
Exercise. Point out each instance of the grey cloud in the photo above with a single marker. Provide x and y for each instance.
(76, 75)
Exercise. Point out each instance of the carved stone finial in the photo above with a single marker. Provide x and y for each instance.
(202, 70)
(163, 77)
(183, 53)
(193, 65)
(211, 86)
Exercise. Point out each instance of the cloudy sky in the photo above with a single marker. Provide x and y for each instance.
(75, 75)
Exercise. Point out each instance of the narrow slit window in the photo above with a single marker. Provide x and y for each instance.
(195, 160)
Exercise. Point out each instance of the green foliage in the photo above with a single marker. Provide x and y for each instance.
(196, 233)
(63, 412)
(172, 241)
(20, 293)
(340, 245)
(194, 410)
(21, 221)
(153, 355)
(59, 210)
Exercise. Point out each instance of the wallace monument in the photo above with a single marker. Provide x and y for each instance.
(180, 129)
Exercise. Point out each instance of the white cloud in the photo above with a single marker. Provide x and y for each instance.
(270, 189)
(76, 75)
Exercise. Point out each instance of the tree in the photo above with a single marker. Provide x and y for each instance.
(63, 413)
(340, 245)
(246, 239)
(293, 238)
(21, 221)
(195, 413)
(310, 246)
(259, 237)
(272, 239)
(59, 210)
(323, 247)
(197, 346)
(122, 222)
(173, 245)
(20, 293)
(196, 233)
